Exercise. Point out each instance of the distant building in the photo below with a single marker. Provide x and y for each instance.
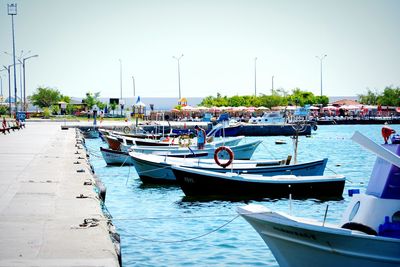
(333, 99)
(345, 102)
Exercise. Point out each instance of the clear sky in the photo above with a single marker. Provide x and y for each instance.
(80, 43)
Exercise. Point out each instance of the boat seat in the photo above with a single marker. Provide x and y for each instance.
(359, 227)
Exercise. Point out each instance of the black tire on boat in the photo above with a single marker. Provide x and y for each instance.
(126, 130)
(359, 227)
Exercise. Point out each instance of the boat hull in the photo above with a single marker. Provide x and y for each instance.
(295, 243)
(211, 184)
(244, 151)
(156, 170)
(116, 158)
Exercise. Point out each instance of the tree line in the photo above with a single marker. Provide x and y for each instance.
(389, 97)
(277, 98)
(48, 98)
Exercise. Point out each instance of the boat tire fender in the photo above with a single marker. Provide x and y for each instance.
(315, 127)
(126, 130)
(359, 227)
(230, 153)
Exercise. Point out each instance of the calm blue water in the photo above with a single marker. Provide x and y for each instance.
(155, 221)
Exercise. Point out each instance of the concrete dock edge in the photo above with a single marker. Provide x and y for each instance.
(50, 214)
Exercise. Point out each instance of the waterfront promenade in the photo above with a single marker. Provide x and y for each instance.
(40, 215)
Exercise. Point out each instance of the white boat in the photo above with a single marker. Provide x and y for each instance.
(243, 151)
(115, 157)
(148, 167)
(368, 235)
(268, 118)
(127, 143)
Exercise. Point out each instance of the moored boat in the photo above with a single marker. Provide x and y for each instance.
(148, 167)
(116, 158)
(368, 235)
(242, 151)
(203, 183)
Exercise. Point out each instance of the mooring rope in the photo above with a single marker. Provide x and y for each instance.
(188, 239)
(266, 148)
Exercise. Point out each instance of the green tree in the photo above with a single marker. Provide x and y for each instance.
(101, 105)
(324, 100)
(45, 97)
(370, 98)
(55, 109)
(91, 99)
(113, 106)
(390, 97)
(3, 110)
(71, 109)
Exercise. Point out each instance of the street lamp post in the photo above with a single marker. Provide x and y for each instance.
(134, 89)
(12, 11)
(320, 60)
(1, 86)
(9, 87)
(255, 76)
(23, 70)
(179, 74)
(272, 92)
(120, 82)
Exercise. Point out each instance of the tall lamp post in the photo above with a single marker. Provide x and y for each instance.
(120, 83)
(23, 70)
(320, 60)
(134, 89)
(12, 11)
(1, 87)
(20, 71)
(179, 74)
(272, 92)
(255, 76)
(7, 68)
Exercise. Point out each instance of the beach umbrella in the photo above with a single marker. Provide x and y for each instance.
(348, 107)
(188, 108)
(330, 108)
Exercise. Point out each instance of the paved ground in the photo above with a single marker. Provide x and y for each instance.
(39, 212)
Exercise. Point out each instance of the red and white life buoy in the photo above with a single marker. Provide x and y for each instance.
(230, 154)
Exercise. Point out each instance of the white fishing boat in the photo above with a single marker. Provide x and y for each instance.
(268, 118)
(127, 143)
(148, 167)
(115, 157)
(368, 235)
(242, 151)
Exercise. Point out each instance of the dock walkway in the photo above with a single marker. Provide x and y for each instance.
(40, 215)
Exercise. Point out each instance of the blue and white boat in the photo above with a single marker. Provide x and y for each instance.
(148, 167)
(368, 235)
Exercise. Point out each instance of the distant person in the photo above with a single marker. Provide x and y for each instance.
(101, 116)
(201, 137)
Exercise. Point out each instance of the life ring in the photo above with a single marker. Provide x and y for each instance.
(230, 153)
(184, 141)
(126, 130)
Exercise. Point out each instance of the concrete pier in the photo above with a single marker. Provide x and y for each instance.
(41, 218)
